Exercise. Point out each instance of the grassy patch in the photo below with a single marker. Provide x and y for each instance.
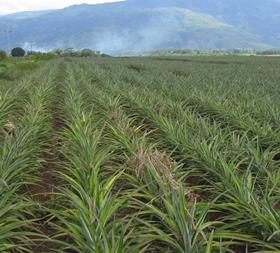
(13, 68)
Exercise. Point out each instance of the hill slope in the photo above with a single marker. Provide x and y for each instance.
(144, 24)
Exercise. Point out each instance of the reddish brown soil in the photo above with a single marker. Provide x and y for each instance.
(49, 181)
(43, 191)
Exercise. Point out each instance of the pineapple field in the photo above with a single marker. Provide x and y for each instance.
(142, 155)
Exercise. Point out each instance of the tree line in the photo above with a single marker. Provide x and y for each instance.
(20, 52)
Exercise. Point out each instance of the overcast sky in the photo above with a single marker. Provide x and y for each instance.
(10, 6)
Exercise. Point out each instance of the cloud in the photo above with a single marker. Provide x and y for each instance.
(29, 5)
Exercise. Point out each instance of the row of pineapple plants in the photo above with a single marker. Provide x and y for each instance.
(233, 103)
(230, 85)
(147, 165)
(147, 181)
(87, 215)
(24, 131)
(238, 181)
(243, 195)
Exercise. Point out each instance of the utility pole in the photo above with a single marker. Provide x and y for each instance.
(31, 47)
(8, 34)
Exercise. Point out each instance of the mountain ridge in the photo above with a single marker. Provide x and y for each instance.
(146, 25)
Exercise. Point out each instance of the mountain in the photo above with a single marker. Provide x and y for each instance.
(139, 25)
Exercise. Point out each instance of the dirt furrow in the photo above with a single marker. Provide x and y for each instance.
(47, 187)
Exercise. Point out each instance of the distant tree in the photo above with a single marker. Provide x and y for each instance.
(236, 51)
(105, 55)
(18, 52)
(57, 51)
(87, 53)
(3, 55)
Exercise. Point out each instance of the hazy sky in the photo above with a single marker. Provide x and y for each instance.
(10, 6)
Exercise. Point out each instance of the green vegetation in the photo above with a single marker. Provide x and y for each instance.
(3, 55)
(156, 154)
(18, 52)
(196, 52)
(192, 52)
(87, 53)
(12, 68)
(40, 56)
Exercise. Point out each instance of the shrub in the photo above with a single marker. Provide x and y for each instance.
(105, 55)
(41, 56)
(3, 55)
(57, 51)
(87, 52)
(18, 52)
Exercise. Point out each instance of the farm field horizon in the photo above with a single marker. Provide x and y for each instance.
(163, 154)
